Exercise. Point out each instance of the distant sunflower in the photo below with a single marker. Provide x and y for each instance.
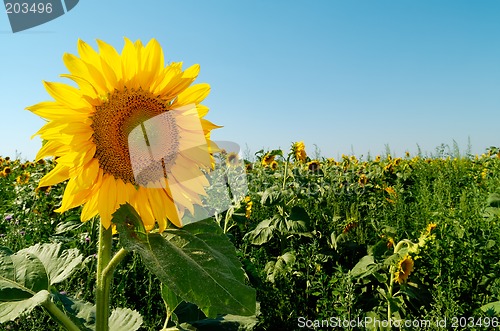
(232, 159)
(248, 207)
(248, 166)
(267, 160)
(299, 151)
(274, 165)
(430, 228)
(90, 130)
(405, 268)
(363, 180)
(23, 178)
(313, 165)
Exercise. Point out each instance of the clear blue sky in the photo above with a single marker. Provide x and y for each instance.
(344, 75)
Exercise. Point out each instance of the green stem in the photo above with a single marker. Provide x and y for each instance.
(117, 258)
(103, 279)
(61, 317)
(389, 293)
(285, 174)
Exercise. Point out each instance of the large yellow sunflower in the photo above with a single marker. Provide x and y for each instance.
(131, 131)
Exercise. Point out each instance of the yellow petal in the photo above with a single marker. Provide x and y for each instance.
(66, 95)
(51, 148)
(202, 110)
(107, 200)
(129, 64)
(85, 86)
(88, 175)
(87, 71)
(74, 195)
(90, 208)
(55, 111)
(87, 53)
(173, 213)
(59, 174)
(113, 60)
(159, 203)
(192, 95)
(152, 63)
(143, 207)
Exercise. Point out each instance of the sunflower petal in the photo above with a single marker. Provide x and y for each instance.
(192, 95)
(107, 200)
(59, 174)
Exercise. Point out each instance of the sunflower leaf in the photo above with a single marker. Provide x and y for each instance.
(196, 262)
(80, 312)
(59, 264)
(11, 310)
(26, 276)
(124, 319)
(22, 275)
(171, 301)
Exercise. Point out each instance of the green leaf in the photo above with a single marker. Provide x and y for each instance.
(26, 276)
(492, 306)
(171, 301)
(365, 267)
(271, 196)
(124, 319)
(299, 214)
(197, 262)
(381, 278)
(81, 313)
(68, 226)
(21, 275)
(9, 311)
(262, 233)
(131, 228)
(280, 267)
(59, 264)
(494, 200)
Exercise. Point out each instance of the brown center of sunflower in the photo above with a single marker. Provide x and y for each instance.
(119, 120)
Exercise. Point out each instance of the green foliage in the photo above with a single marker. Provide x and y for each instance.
(26, 277)
(328, 219)
(198, 263)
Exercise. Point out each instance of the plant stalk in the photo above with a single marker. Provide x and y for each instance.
(59, 316)
(103, 278)
(113, 263)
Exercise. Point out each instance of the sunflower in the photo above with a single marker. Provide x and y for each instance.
(405, 268)
(299, 151)
(232, 159)
(363, 180)
(267, 160)
(274, 165)
(313, 165)
(248, 207)
(248, 166)
(23, 178)
(430, 228)
(131, 131)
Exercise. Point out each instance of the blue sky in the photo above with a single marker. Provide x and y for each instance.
(348, 76)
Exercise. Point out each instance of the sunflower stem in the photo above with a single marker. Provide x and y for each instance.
(103, 278)
(113, 263)
(285, 174)
(61, 317)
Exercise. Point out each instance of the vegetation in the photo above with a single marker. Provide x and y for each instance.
(412, 238)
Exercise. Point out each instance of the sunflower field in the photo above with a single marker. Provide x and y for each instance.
(323, 242)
